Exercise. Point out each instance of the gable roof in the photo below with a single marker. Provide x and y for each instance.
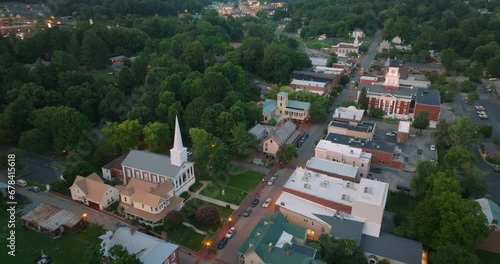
(51, 218)
(393, 247)
(152, 162)
(293, 104)
(271, 230)
(149, 249)
(490, 209)
(148, 193)
(269, 106)
(343, 227)
(284, 132)
(92, 186)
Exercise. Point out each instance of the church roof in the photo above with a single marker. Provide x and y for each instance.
(151, 162)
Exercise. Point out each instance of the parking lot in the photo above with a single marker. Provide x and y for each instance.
(392, 176)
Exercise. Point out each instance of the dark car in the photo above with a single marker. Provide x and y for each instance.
(496, 169)
(403, 188)
(247, 212)
(34, 189)
(255, 202)
(376, 170)
(306, 135)
(222, 243)
(302, 139)
(419, 151)
(299, 144)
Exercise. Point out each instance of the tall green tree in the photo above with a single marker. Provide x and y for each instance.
(421, 121)
(454, 253)
(93, 254)
(242, 143)
(156, 135)
(126, 134)
(287, 152)
(493, 67)
(363, 99)
(120, 255)
(94, 51)
(333, 250)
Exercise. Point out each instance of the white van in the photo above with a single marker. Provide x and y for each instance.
(21, 183)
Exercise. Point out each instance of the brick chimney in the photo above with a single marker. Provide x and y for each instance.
(270, 247)
(132, 231)
(163, 235)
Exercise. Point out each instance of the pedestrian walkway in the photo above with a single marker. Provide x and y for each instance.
(250, 166)
(197, 195)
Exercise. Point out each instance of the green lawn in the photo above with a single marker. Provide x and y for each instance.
(70, 247)
(316, 44)
(102, 75)
(246, 180)
(186, 237)
(224, 212)
(234, 169)
(231, 195)
(488, 257)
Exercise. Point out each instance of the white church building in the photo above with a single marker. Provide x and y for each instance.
(343, 49)
(157, 168)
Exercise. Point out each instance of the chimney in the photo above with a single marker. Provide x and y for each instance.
(288, 251)
(132, 231)
(164, 236)
(270, 247)
(271, 222)
(487, 196)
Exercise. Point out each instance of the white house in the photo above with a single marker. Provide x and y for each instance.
(342, 49)
(358, 33)
(148, 249)
(156, 168)
(92, 191)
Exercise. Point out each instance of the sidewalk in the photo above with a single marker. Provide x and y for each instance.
(250, 166)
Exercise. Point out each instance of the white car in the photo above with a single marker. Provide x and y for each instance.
(271, 180)
(433, 147)
(479, 108)
(390, 134)
(267, 202)
(231, 232)
(481, 112)
(484, 117)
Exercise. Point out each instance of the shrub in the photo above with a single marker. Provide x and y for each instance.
(377, 112)
(208, 214)
(195, 187)
(228, 206)
(185, 195)
(493, 160)
(174, 217)
(325, 131)
(60, 187)
(485, 131)
(496, 141)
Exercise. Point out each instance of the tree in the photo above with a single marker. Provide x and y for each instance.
(242, 143)
(485, 131)
(126, 81)
(377, 112)
(94, 52)
(120, 255)
(453, 253)
(449, 59)
(35, 140)
(463, 132)
(209, 153)
(440, 134)
(333, 250)
(126, 135)
(421, 181)
(421, 120)
(331, 60)
(458, 155)
(493, 67)
(77, 168)
(173, 219)
(435, 226)
(473, 96)
(156, 135)
(287, 152)
(344, 80)
(208, 214)
(92, 255)
(363, 99)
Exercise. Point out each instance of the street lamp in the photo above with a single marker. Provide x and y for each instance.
(230, 220)
(208, 246)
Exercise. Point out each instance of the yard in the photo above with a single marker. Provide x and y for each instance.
(231, 195)
(102, 76)
(224, 212)
(70, 247)
(186, 237)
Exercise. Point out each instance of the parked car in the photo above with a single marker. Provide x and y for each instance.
(376, 170)
(390, 134)
(479, 108)
(481, 113)
(271, 180)
(247, 212)
(302, 139)
(255, 202)
(306, 135)
(483, 117)
(34, 189)
(299, 144)
(433, 147)
(231, 232)
(222, 243)
(419, 151)
(21, 183)
(489, 90)
(403, 188)
(496, 169)
(267, 202)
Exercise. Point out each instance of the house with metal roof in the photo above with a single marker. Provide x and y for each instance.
(148, 249)
(492, 212)
(92, 191)
(284, 108)
(285, 133)
(275, 240)
(157, 168)
(53, 220)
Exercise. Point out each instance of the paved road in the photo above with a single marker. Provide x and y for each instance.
(492, 109)
(372, 51)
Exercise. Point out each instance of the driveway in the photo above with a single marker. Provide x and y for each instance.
(392, 176)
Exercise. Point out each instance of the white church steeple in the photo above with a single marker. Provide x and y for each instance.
(356, 41)
(178, 154)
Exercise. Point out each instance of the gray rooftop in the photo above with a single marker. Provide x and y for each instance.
(360, 142)
(360, 127)
(343, 228)
(314, 76)
(152, 162)
(284, 132)
(428, 97)
(393, 247)
(378, 88)
(328, 166)
(269, 106)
